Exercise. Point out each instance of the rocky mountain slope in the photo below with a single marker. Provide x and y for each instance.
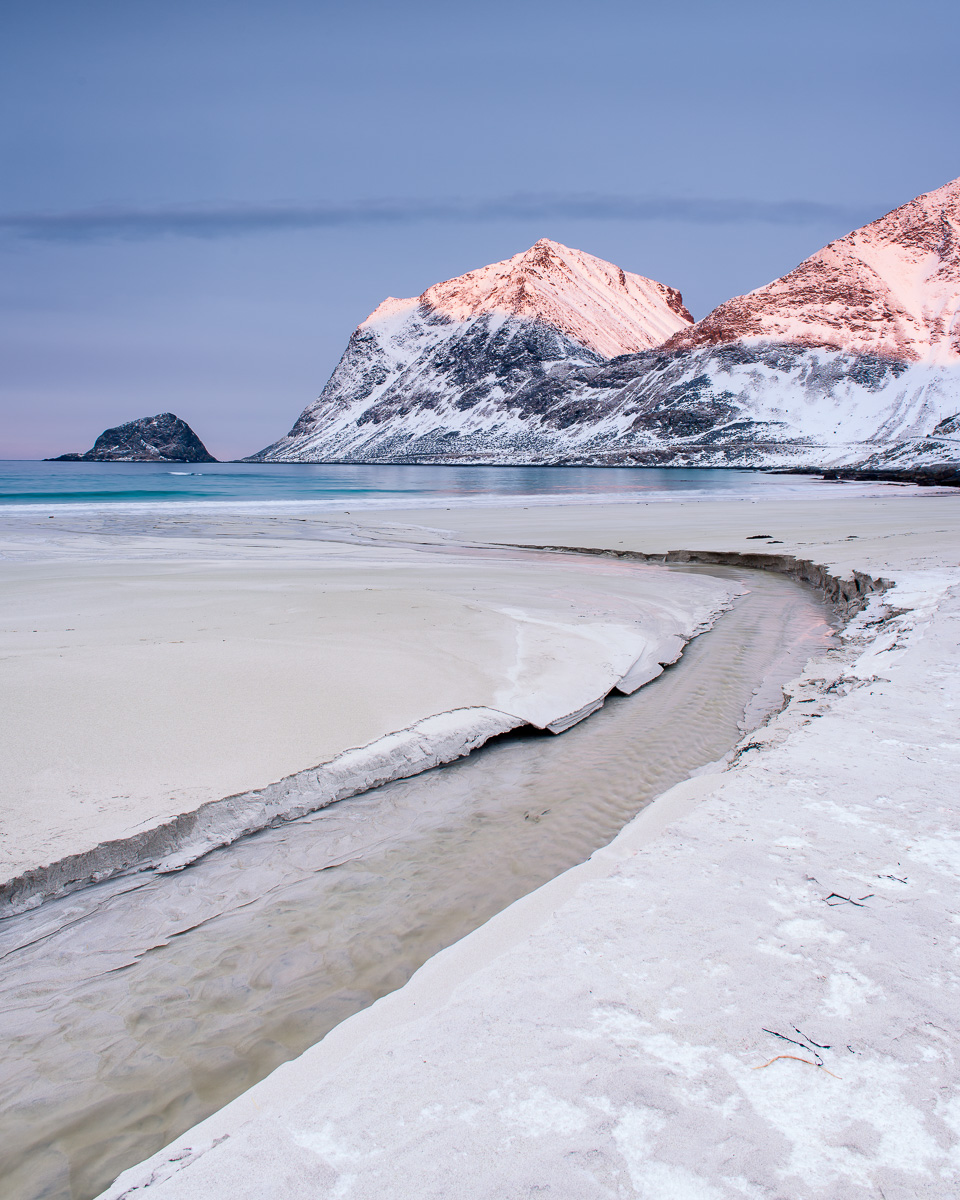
(468, 356)
(163, 438)
(890, 289)
(853, 358)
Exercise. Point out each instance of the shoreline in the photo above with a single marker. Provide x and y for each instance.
(945, 475)
(338, 1121)
(799, 480)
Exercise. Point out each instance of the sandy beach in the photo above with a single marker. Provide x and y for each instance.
(750, 992)
(160, 668)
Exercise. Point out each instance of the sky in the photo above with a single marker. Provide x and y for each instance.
(201, 199)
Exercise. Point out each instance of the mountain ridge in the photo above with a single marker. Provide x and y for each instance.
(890, 288)
(852, 357)
(469, 347)
(627, 312)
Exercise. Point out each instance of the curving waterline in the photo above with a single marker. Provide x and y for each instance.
(847, 594)
(143, 1004)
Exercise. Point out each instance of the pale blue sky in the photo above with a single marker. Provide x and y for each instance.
(199, 199)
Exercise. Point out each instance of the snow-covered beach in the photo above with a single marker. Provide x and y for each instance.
(171, 661)
(620, 1031)
(255, 592)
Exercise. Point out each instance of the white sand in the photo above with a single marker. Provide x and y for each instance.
(610, 1035)
(146, 674)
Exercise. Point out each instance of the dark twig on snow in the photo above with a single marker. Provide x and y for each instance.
(810, 1040)
(793, 1042)
(838, 899)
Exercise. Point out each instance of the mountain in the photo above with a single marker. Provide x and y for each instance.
(163, 438)
(430, 376)
(852, 359)
(890, 289)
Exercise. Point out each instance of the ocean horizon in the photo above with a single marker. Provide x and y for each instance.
(331, 486)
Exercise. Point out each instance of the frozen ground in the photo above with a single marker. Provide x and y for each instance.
(752, 992)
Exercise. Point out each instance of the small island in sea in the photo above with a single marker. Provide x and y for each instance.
(163, 438)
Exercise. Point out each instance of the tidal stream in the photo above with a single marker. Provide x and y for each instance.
(135, 1008)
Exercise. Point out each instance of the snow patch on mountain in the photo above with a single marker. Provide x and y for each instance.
(891, 288)
(764, 404)
(592, 302)
(738, 405)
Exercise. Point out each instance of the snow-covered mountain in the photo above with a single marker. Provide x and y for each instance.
(853, 358)
(890, 289)
(470, 355)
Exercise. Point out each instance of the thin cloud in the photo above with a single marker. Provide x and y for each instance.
(200, 221)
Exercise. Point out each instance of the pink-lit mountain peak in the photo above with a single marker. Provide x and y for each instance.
(591, 301)
(890, 288)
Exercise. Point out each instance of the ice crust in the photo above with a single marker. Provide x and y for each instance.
(441, 738)
(163, 723)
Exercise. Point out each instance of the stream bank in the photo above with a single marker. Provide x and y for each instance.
(145, 1003)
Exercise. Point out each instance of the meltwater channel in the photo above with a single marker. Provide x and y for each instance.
(137, 1007)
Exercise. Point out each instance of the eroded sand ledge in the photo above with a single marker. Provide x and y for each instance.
(620, 1032)
(168, 692)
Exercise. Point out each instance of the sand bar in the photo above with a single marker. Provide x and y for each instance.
(166, 663)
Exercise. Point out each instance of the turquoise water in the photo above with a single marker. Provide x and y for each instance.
(364, 486)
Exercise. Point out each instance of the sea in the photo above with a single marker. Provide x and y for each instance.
(335, 486)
